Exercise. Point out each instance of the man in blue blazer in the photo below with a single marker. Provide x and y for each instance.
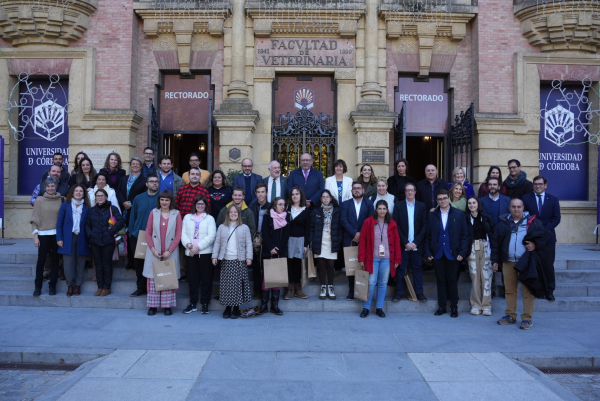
(353, 214)
(276, 184)
(495, 205)
(547, 208)
(247, 180)
(310, 180)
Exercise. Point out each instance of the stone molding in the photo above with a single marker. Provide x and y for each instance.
(27, 22)
(559, 29)
(264, 73)
(345, 74)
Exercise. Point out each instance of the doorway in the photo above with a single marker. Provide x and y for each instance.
(180, 146)
(424, 150)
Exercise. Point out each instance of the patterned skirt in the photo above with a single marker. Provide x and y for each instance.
(296, 247)
(235, 286)
(160, 299)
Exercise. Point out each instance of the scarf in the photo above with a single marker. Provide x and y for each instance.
(279, 220)
(130, 182)
(76, 214)
(516, 181)
(197, 220)
(327, 212)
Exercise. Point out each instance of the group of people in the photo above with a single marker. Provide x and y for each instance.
(395, 223)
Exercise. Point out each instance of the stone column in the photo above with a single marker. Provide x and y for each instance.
(263, 92)
(235, 118)
(372, 121)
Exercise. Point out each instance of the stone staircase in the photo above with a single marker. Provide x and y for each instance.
(578, 289)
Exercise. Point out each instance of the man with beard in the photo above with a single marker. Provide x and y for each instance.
(516, 184)
(495, 205)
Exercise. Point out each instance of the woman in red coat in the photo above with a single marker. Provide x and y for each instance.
(378, 248)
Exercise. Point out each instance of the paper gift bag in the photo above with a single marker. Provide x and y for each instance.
(275, 271)
(312, 270)
(304, 273)
(361, 285)
(411, 291)
(165, 275)
(351, 260)
(140, 248)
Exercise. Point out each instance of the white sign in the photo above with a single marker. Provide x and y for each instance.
(421, 98)
(186, 95)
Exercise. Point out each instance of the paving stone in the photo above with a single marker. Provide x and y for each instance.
(169, 364)
(381, 367)
(502, 367)
(171, 341)
(250, 390)
(264, 342)
(233, 365)
(117, 363)
(101, 389)
(447, 367)
(492, 391)
(361, 391)
(356, 342)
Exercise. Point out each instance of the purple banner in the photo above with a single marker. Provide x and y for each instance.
(563, 149)
(45, 128)
(1, 180)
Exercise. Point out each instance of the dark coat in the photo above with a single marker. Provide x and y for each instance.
(314, 186)
(254, 207)
(300, 226)
(517, 192)
(120, 173)
(488, 225)
(400, 216)
(531, 264)
(239, 181)
(274, 238)
(501, 238)
(316, 230)
(97, 229)
(64, 230)
(138, 187)
(396, 185)
(424, 191)
(457, 230)
(350, 224)
(550, 216)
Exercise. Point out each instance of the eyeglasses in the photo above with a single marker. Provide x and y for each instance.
(443, 199)
(153, 182)
(538, 184)
(305, 160)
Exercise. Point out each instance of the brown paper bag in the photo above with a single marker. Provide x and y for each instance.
(165, 275)
(304, 273)
(351, 260)
(140, 248)
(312, 270)
(276, 274)
(361, 285)
(411, 291)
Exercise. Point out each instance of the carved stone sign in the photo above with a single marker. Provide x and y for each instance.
(375, 156)
(305, 52)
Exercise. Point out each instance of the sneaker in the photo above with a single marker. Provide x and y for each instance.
(487, 312)
(190, 308)
(474, 311)
(323, 293)
(526, 324)
(330, 292)
(204, 309)
(507, 320)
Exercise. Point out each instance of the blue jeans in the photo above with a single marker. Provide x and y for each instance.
(381, 273)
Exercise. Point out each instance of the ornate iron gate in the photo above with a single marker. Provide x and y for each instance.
(153, 128)
(400, 135)
(304, 132)
(461, 141)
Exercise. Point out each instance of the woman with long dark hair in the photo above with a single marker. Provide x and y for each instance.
(220, 192)
(368, 180)
(398, 181)
(493, 172)
(298, 242)
(84, 174)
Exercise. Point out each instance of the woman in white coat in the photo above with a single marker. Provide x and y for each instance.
(339, 184)
(102, 183)
(198, 236)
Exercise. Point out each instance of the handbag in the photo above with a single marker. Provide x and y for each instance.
(257, 241)
(165, 275)
(351, 260)
(361, 285)
(275, 272)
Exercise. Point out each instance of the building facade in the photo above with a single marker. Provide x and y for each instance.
(367, 81)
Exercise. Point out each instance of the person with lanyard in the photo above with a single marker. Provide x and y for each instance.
(339, 184)
(195, 163)
(428, 187)
(298, 242)
(247, 180)
(148, 167)
(169, 181)
(112, 169)
(259, 208)
(398, 181)
(378, 251)
(129, 188)
(368, 180)
(276, 184)
(220, 192)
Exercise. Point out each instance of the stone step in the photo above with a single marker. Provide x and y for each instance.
(577, 276)
(577, 264)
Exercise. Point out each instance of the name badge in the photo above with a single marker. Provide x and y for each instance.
(477, 245)
(381, 250)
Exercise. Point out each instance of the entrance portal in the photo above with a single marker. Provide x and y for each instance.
(180, 146)
(424, 150)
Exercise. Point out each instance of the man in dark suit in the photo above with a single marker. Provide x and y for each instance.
(547, 208)
(247, 180)
(427, 188)
(353, 214)
(447, 244)
(276, 184)
(495, 204)
(310, 180)
(411, 217)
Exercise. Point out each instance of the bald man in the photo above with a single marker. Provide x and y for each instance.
(247, 180)
(306, 177)
(276, 184)
(427, 188)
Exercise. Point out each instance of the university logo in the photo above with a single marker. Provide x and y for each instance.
(304, 98)
(560, 126)
(49, 120)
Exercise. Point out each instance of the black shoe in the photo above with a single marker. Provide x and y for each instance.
(440, 311)
(256, 295)
(168, 312)
(37, 292)
(227, 313)
(52, 291)
(264, 303)
(421, 298)
(182, 279)
(236, 312)
(349, 297)
(275, 303)
(379, 312)
(190, 308)
(204, 310)
(397, 298)
(138, 293)
(364, 313)
(454, 312)
(550, 296)
(151, 311)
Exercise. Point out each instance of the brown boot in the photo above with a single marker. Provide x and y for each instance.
(298, 293)
(70, 290)
(99, 292)
(288, 293)
(105, 293)
(77, 290)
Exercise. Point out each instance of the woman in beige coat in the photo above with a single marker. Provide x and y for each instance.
(233, 247)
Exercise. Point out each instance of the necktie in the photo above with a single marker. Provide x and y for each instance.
(539, 204)
(305, 175)
(273, 190)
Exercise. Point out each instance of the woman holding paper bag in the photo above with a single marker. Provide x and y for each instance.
(378, 248)
(163, 233)
(233, 247)
(325, 238)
